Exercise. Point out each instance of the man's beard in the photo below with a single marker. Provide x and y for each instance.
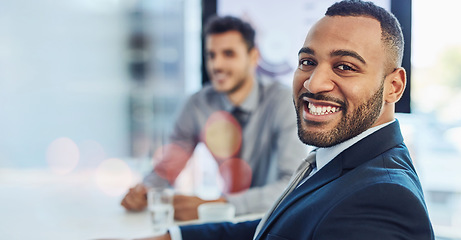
(238, 85)
(241, 79)
(351, 124)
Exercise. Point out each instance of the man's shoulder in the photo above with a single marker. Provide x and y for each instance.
(275, 91)
(206, 93)
(274, 85)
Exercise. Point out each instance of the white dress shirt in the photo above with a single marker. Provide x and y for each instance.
(325, 155)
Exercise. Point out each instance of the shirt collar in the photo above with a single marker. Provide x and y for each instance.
(249, 104)
(325, 155)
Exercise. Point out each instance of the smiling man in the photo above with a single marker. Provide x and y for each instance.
(356, 92)
(360, 182)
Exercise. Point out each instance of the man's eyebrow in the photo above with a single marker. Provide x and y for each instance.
(306, 50)
(347, 53)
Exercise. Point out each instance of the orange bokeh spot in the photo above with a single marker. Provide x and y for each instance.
(236, 174)
(170, 160)
(222, 135)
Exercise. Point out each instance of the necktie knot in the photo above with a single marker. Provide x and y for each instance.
(239, 115)
(308, 163)
(311, 157)
(307, 167)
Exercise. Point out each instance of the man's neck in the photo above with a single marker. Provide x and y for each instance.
(237, 97)
(325, 155)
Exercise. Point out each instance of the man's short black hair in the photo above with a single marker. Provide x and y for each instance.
(391, 32)
(217, 24)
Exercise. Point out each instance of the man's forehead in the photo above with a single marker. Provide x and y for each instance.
(229, 39)
(231, 35)
(347, 24)
(344, 32)
(361, 19)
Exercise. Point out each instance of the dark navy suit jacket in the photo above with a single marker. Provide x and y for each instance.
(369, 191)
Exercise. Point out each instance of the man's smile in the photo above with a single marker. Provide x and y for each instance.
(220, 76)
(319, 110)
(322, 109)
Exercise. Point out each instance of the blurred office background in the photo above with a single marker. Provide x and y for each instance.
(86, 81)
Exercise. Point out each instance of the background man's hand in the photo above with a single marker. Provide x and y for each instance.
(135, 199)
(185, 207)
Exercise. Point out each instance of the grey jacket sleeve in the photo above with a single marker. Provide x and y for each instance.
(289, 152)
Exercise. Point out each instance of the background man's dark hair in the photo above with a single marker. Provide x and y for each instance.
(216, 25)
(391, 33)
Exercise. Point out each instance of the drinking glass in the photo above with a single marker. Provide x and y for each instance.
(161, 211)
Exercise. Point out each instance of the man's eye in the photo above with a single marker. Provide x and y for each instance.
(305, 64)
(345, 67)
(229, 53)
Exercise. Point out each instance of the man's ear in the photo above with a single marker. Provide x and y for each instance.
(254, 55)
(395, 85)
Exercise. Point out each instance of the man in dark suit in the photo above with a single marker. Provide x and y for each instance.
(362, 184)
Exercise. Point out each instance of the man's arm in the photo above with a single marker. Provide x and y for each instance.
(380, 211)
(222, 231)
(169, 160)
(288, 152)
(186, 207)
(212, 231)
(162, 237)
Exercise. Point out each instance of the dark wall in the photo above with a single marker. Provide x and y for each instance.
(402, 11)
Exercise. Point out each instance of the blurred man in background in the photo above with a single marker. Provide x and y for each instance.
(247, 123)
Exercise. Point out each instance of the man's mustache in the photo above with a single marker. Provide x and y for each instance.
(322, 97)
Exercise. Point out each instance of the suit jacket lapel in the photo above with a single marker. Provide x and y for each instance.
(372, 146)
(329, 173)
(350, 158)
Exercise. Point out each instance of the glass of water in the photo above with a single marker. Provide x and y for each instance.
(161, 211)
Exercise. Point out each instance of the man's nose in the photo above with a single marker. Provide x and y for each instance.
(321, 80)
(217, 62)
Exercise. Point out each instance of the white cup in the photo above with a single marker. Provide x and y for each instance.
(216, 212)
(161, 211)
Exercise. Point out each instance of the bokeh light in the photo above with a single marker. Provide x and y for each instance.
(222, 135)
(114, 177)
(169, 160)
(62, 155)
(91, 154)
(236, 175)
(454, 136)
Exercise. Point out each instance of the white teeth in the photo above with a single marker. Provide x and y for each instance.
(321, 110)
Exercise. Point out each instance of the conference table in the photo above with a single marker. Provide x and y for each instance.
(82, 204)
(45, 203)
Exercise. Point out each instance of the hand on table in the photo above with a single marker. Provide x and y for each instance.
(185, 207)
(135, 199)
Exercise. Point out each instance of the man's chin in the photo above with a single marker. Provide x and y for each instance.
(219, 87)
(318, 127)
(317, 135)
